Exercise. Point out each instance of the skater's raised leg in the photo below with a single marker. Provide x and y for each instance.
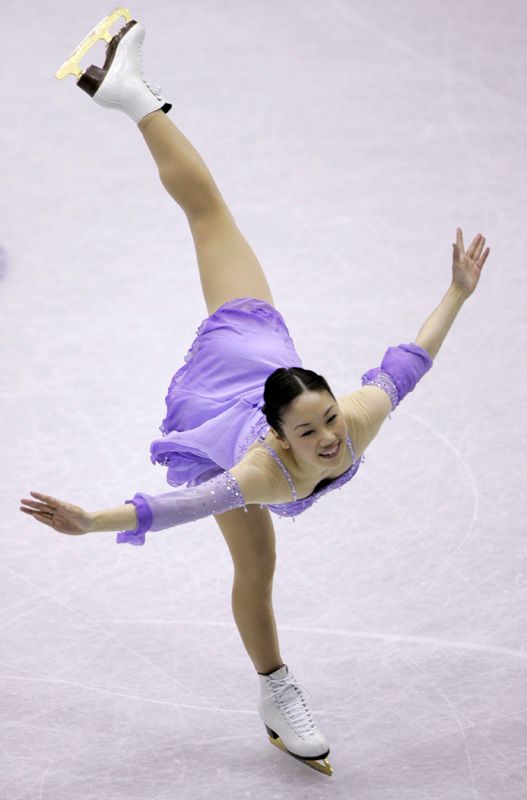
(227, 264)
(181, 169)
(251, 540)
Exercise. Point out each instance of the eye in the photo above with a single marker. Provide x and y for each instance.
(308, 433)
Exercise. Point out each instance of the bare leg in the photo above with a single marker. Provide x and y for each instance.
(251, 540)
(182, 171)
(227, 264)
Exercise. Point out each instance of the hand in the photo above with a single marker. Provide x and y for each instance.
(466, 267)
(62, 517)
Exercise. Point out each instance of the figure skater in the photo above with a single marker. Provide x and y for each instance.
(229, 456)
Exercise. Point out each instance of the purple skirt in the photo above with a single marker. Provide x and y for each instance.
(214, 399)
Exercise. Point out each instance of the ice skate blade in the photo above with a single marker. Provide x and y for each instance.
(320, 766)
(71, 66)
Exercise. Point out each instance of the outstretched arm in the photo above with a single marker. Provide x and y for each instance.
(242, 485)
(402, 367)
(466, 270)
(433, 332)
(143, 512)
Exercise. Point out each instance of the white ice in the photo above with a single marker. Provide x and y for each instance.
(350, 139)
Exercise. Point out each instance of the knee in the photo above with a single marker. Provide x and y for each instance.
(197, 196)
(257, 575)
(252, 543)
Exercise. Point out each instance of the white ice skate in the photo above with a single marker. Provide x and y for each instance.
(119, 83)
(287, 718)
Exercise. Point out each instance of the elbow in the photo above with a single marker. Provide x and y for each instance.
(428, 347)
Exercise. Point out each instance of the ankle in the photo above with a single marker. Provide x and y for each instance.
(143, 123)
(269, 672)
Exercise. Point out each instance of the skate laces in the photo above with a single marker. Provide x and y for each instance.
(292, 705)
(154, 89)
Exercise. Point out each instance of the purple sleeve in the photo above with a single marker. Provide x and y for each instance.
(144, 522)
(184, 504)
(401, 369)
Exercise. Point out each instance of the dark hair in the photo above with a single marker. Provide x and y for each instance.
(283, 386)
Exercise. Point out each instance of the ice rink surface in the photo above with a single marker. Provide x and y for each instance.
(349, 139)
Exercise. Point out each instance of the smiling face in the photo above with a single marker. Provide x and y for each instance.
(313, 425)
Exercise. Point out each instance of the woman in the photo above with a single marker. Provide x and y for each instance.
(227, 455)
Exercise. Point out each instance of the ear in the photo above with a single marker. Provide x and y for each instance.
(285, 444)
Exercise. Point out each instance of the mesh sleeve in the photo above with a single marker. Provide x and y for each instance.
(184, 504)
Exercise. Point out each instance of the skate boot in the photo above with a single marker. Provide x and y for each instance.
(287, 718)
(119, 83)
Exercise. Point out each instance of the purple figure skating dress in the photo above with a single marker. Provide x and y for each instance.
(213, 400)
(214, 414)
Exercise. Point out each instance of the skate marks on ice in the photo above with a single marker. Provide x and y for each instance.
(101, 31)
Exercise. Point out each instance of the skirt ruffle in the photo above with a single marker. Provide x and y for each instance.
(214, 400)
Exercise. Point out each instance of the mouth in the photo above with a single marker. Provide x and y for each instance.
(331, 453)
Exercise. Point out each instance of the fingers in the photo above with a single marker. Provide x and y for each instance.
(483, 258)
(480, 246)
(472, 248)
(51, 501)
(40, 509)
(476, 248)
(41, 516)
(37, 506)
(477, 242)
(43, 507)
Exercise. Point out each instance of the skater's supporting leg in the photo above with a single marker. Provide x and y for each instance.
(251, 540)
(228, 266)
